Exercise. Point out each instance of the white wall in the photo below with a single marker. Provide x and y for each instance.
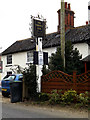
(21, 58)
(88, 50)
(50, 50)
(83, 49)
(17, 59)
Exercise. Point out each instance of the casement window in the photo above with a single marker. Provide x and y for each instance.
(29, 57)
(9, 59)
(9, 73)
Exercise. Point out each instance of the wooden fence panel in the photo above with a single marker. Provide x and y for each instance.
(59, 80)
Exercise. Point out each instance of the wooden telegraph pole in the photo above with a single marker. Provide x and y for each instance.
(62, 30)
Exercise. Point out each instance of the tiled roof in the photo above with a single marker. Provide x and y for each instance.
(20, 46)
(76, 35)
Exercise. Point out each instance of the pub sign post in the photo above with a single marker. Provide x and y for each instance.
(38, 32)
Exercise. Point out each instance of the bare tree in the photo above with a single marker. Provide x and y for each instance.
(17, 69)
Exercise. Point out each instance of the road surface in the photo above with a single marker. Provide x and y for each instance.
(21, 110)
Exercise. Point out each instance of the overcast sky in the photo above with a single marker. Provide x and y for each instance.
(15, 17)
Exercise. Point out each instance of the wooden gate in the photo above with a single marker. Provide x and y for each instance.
(60, 80)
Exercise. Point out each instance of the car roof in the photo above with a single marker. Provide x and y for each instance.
(16, 74)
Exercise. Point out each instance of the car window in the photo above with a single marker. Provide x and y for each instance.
(6, 76)
(12, 77)
(21, 77)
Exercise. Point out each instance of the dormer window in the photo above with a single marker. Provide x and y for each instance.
(9, 59)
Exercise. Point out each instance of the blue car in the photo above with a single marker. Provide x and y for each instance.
(5, 83)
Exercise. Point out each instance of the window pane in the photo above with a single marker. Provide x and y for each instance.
(9, 59)
(21, 78)
(30, 57)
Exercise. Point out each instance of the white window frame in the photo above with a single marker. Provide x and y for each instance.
(9, 59)
(30, 57)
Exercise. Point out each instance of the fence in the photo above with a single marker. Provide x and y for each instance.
(60, 80)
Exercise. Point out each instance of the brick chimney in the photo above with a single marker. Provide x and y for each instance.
(86, 22)
(69, 7)
(69, 17)
(65, 5)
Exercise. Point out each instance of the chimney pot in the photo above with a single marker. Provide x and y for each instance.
(69, 6)
(66, 5)
(86, 22)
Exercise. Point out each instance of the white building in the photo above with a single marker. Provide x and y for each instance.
(20, 53)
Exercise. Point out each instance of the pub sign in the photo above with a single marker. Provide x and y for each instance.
(38, 28)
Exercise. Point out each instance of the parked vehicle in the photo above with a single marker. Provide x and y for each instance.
(5, 83)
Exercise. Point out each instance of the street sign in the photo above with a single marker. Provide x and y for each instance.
(38, 28)
(40, 58)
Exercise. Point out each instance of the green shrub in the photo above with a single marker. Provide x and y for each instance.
(29, 75)
(69, 96)
(44, 97)
(83, 98)
(55, 97)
